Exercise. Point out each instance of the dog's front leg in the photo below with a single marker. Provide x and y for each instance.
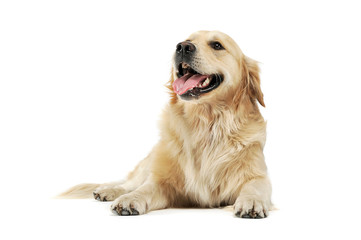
(254, 200)
(146, 198)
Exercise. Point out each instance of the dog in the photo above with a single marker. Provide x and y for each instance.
(210, 153)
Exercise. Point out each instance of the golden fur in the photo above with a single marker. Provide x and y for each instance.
(211, 149)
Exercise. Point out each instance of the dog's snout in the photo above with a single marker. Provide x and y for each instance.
(185, 48)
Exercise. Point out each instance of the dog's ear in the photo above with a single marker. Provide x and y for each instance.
(251, 83)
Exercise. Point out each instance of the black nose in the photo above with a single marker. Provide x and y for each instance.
(185, 48)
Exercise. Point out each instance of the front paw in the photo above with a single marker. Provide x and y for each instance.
(127, 205)
(246, 207)
(108, 193)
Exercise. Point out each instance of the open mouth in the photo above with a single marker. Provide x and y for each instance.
(191, 84)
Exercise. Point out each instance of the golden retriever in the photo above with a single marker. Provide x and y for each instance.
(210, 153)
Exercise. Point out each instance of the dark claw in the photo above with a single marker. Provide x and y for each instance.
(115, 211)
(251, 214)
(96, 196)
(125, 212)
(134, 211)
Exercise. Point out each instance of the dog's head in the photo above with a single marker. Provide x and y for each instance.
(209, 66)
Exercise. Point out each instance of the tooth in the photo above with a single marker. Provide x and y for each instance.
(205, 83)
(207, 80)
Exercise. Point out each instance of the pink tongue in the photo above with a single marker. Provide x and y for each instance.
(188, 81)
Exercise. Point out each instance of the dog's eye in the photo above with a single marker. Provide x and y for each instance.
(216, 46)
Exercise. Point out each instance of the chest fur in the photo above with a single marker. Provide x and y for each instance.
(211, 165)
(210, 154)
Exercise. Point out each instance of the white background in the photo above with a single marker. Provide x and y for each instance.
(81, 91)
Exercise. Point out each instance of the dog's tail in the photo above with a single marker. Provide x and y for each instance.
(84, 190)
